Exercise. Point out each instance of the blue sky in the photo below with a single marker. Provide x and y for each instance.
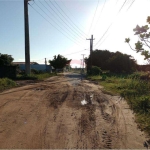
(62, 26)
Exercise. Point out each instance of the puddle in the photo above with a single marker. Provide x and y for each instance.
(84, 102)
(38, 89)
(91, 99)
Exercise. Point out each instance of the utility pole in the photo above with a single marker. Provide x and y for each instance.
(91, 49)
(83, 60)
(45, 61)
(27, 44)
(81, 63)
(91, 43)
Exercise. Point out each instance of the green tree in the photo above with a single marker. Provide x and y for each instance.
(5, 59)
(115, 62)
(143, 44)
(121, 63)
(99, 58)
(59, 62)
(95, 71)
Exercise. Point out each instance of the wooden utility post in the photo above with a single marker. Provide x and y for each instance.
(83, 60)
(91, 44)
(27, 43)
(91, 48)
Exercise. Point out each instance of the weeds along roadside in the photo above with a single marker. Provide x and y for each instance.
(32, 76)
(135, 88)
(6, 83)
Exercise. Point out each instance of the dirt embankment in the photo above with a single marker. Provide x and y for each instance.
(49, 114)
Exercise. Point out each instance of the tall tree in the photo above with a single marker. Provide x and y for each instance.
(5, 59)
(143, 44)
(115, 62)
(59, 62)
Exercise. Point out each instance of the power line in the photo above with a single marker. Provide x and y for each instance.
(104, 34)
(103, 41)
(56, 23)
(122, 6)
(131, 5)
(76, 52)
(111, 23)
(53, 25)
(116, 1)
(99, 15)
(93, 17)
(64, 55)
(81, 32)
(60, 18)
(73, 16)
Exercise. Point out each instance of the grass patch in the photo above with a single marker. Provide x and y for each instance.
(6, 83)
(135, 88)
(35, 76)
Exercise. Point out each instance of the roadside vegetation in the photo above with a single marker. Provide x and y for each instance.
(123, 80)
(6, 83)
(35, 75)
(134, 88)
(32, 76)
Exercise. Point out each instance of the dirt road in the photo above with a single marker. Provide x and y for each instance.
(50, 114)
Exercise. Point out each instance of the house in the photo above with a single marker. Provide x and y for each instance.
(143, 67)
(35, 65)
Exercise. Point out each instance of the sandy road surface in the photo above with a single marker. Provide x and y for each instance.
(49, 114)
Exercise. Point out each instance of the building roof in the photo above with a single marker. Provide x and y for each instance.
(23, 63)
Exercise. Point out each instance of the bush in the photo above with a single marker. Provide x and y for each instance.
(6, 83)
(34, 71)
(94, 71)
(135, 75)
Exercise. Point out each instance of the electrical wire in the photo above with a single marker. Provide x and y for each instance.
(116, 2)
(130, 5)
(61, 19)
(104, 33)
(111, 23)
(32, 3)
(76, 52)
(56, 23)
(93, 17)
(99, 15)
(72, 16)
(66, 16)
(53, 25)
(103, 40)
(122, 6)
(63, 55)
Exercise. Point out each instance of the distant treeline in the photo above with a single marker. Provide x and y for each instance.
(113, 61)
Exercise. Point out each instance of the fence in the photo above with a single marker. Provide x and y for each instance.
(8, 71)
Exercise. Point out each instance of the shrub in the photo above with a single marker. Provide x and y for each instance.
(104, 77)
(34, 71)
(94, 71)
(6, 83)
(135, 75)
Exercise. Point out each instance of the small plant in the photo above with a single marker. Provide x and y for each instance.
(94, 71)
(135, 75)
(6, 83)
(34, 71)
(104, 77)
(39, 76)
(135, 88)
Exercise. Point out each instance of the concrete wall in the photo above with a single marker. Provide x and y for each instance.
(143, 67)
(8, 71)
(38, 67)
